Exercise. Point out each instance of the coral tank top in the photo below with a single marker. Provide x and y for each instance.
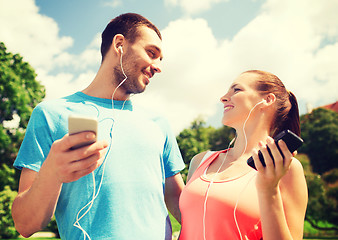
(219, 218)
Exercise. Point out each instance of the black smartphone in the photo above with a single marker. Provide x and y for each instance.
(292, 141)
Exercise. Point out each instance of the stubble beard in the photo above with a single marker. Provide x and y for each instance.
(131, 85)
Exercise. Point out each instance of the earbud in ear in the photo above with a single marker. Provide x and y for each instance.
(263, 101)
(120, 48)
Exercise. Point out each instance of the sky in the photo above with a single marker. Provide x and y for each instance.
(206, 45)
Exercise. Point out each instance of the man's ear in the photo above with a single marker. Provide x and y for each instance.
(117, 42)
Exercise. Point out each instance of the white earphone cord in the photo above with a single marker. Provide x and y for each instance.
(90, 203)
(212, 180)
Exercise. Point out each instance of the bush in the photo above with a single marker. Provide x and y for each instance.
(7, 229)
(52, 227)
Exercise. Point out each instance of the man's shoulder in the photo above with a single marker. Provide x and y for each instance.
(55, 105)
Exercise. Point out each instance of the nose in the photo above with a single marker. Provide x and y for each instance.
(224, 98)
(156, 66)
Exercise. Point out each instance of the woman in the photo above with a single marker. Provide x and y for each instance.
(224, 197)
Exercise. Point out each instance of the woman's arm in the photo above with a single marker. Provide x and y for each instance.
(282, 194)
(194, 164)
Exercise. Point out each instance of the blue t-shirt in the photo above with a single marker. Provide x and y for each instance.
(142, 153)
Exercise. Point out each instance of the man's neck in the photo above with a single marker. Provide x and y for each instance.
(104, 85)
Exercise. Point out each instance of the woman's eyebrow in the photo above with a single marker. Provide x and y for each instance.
(233, 86)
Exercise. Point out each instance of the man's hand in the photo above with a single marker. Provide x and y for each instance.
(69, 165)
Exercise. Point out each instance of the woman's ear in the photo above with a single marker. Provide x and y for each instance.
(270, 99)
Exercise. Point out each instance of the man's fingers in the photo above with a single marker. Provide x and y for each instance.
(86, 166)
(86, 151)
(69, 141)
(89, 160)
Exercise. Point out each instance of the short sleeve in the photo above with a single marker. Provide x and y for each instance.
(173, 162)
(38, 140)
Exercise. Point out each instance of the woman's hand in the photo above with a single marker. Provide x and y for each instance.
(268, 177)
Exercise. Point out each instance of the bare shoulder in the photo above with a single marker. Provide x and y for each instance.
(295, 171)
(196, 160)
(294, 182)
(194, 163)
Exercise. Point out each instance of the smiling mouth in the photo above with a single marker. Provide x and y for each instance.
(147, 74)
(227, 108)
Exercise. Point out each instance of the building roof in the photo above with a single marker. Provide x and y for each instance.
(332, 106)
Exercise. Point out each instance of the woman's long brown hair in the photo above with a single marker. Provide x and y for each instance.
(287, 113)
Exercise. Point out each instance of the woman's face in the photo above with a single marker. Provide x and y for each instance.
(239, 100)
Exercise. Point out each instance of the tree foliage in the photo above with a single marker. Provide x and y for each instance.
(199, 138)
(221, 138)
(320, 133)
(323, 201)
(7, 229)
(19, 94)
(194, 140)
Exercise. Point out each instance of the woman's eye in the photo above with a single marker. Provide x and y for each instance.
(237, 89)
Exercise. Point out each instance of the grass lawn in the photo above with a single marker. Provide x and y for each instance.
(175, 225)
(309, 232)
(37, 238)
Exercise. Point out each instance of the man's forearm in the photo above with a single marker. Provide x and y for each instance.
(35, 204)
(173, 189)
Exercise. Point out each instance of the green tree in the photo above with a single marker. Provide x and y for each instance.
(322, 208)
(19, 94)
(199, 137)
(220, 138)
(320, 133)
(194, 139)
(7, 176)
(322, 204)
(7, 229)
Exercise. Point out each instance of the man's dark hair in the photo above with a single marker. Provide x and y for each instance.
(126, 24)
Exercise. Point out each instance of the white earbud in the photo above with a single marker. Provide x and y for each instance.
(263, 101)
(121, 50)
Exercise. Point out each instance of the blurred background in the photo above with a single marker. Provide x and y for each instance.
(50, 49)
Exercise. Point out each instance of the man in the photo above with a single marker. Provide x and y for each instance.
(135, 161)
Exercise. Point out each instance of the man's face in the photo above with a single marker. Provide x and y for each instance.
(140, 61)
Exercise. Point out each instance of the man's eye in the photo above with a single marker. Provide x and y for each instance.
(237, 89)
(151, 53)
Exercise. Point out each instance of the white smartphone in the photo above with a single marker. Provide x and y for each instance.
(77, 124)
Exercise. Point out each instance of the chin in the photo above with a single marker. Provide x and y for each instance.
(226, 122)
(138, 90)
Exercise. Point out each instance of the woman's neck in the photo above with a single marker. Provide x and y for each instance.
(247, 141)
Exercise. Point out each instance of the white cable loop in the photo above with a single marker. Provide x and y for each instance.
(90, 203)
